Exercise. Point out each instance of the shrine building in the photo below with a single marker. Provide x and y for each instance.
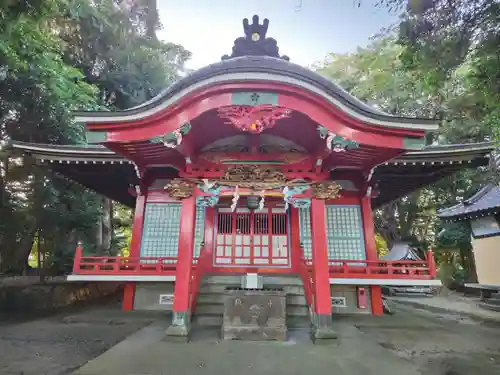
(254, 172)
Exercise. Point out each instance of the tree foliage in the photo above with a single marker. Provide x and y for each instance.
(57, 56)
(379, 76)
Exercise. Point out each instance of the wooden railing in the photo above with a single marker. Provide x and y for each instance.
(378, 269)
(93, 265)
(307, 281)
(201, 268)
(341, 268)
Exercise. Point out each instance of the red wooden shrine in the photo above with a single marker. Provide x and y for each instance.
(255, 165)
(302, 152)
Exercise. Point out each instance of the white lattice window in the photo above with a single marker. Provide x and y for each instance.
(160, 236)
(305, 231)
(344, 231)
(199, 231)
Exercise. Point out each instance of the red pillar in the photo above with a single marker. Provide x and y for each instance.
(322, 297)
(371, 253)
(135, 250)
(181, 314)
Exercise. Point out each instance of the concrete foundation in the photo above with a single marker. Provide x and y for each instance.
(349, 293)
(154, 296)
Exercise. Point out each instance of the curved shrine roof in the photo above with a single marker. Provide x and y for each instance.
(485, 201)
(255, 57)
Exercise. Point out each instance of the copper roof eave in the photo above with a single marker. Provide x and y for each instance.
(428, 155)
(259, 69)
(486, 201)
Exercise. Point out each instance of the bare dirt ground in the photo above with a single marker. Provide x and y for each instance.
(438, 344)
(61, 343)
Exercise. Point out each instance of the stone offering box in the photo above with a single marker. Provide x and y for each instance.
(254, 314)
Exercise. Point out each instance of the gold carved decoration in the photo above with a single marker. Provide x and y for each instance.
(254, 177)
(326, 190)
(179, 189)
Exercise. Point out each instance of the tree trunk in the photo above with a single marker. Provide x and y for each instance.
(386, 223)
(107, 224)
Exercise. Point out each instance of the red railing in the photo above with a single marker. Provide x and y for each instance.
(93, 265)
(307, 281)
(341, 268)
(377, 269)
(199, 272)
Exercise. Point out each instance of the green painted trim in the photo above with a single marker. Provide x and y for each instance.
(414, 143)
(254, 98)
(96, 137)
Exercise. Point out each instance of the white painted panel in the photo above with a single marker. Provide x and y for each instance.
(229, 239)
(239, 252)
(242, 261)
(246, 240)
(246, 251)
(278, 210)
(238, 239)
(256, 240)
(265, 251)
(260, 261)
(265, 240)
(280, 261)
(224, 260)
(229, 251)
(220, 251)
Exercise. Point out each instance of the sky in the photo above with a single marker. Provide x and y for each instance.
(306, 30)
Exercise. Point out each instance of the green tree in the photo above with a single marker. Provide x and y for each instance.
(57, 56)
(376, 75)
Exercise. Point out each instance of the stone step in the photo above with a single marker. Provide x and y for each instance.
(211, 298)
(210, 288)
(213, 288)
(297, 322)
(490, 307)
(208, 309)
(223, 279)
(296, 300)
(493, 301)
(297, 310)
(270, 281)
(208, 320)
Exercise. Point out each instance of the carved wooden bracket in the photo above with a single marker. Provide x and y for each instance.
(180, 189)
(326, 190)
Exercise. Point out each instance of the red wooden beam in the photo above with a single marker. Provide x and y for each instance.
(185, 256)
(293, 98)
(322, 295)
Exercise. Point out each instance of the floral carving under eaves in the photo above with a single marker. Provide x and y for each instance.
(326, 190)
(253, 119)
(179, 189)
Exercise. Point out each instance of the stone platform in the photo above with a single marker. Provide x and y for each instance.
(254, 314)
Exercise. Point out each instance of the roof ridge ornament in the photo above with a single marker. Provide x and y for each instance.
(255, 43)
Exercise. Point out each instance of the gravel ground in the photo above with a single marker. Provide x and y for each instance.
(59, 344)
(438, 344)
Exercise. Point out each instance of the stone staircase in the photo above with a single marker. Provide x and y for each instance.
(210, 303)
(492, 303)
